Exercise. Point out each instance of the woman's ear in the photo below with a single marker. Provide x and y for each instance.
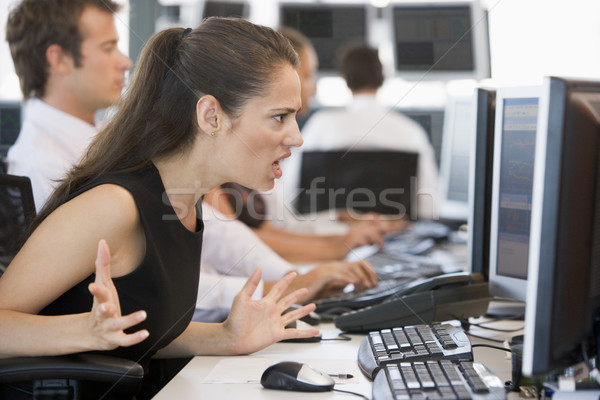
(209, 115)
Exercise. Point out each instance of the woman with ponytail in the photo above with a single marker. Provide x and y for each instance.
(111, 263)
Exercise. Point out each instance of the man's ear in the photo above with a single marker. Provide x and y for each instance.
(59, 59)
(209, 115)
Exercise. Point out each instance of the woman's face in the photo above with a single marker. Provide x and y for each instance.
(264, 133)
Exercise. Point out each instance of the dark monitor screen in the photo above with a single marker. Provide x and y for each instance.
(11, 116)
(328, 26)
(364, 181)
(225, 9)
(564, 264)
(514, 155)
(441, 39)
(480, 182)
(432, 121)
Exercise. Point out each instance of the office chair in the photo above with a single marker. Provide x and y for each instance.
(68, 377)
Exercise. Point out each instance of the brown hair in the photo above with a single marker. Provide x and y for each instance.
(360, 66)
(229, 58)
(297, 39)
(35, 25)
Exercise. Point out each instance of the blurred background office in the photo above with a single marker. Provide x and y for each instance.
(490, 43)
(528, 39)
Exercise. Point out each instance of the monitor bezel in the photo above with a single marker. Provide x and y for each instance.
(480, 44)
(500, 285)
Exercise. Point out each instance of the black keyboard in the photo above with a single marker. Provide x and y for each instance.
(412, 343)
(443, 379)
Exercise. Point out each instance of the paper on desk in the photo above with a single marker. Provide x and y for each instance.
(250, 369)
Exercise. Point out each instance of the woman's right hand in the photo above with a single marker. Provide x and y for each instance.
(107, 325)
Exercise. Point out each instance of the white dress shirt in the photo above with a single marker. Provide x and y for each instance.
(367, 125)
(231, 251)
(49, 144)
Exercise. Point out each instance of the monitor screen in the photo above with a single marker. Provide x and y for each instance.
(225, 9)
(434, 40)
(10, 124)
(328, 26)
(459, 131)
(514, 154)
(364, 181)
(564, 264)
(480, 182)
(432, 121)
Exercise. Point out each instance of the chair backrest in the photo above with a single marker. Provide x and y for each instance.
(17, 210)
(372, 180)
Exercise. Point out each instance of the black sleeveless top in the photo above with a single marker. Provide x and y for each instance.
(165, 284)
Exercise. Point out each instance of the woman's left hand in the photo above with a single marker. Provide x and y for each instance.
(256, 324)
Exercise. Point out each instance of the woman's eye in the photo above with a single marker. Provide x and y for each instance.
(279, 118)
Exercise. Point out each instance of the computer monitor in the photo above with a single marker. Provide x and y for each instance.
(441, 40)
(459, 132)
(11, 116)
(480, 182)
(512, 188)
(328, 26)
(225, 9)
(563, 289)
(432, 121)
(363, 181)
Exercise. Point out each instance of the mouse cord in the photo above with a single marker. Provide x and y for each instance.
(340, 336)
(354, 393)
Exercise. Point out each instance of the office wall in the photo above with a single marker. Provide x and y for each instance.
(529, 39)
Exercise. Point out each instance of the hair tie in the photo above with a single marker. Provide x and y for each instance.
(185, 32)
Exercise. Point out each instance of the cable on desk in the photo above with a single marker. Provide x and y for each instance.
(340, 336)
(354, 393)
(466, 325)
(490, 346)
(484, 338)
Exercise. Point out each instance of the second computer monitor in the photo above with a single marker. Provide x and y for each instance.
(459, 131)
(363, 181)
(441, 40)
(512, 188)
(328, 26)
(564, 264)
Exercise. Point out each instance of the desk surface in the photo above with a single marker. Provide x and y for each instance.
(206, 376)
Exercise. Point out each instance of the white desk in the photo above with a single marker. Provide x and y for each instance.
(190, 383)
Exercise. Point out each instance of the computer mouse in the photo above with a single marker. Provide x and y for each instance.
(292, 375)
(301, 325)
(311, 318)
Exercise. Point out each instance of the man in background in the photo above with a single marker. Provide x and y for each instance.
(69, 66)
(367, 125)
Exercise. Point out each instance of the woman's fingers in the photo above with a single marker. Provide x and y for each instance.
(298, 313)
(279, 288)
(251, 284)
(103, 263)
